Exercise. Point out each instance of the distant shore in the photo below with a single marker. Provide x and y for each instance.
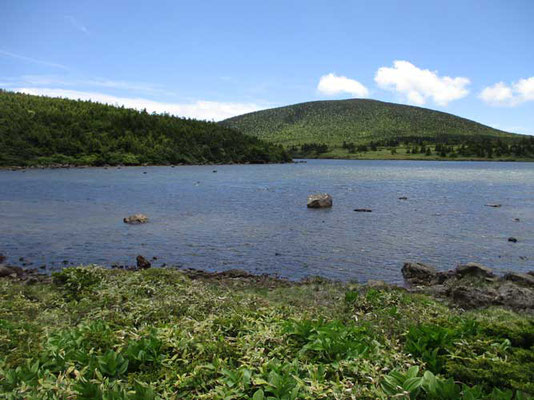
(295, 161)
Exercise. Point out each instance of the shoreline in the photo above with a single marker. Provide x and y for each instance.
(469, 285)
(294, 161)
(120, 166)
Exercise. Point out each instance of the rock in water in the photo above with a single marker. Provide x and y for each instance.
(136, 219)
(419, 273)
(2, 258)
(323, 200)
(363, 210)
(142, 262)
(512, 239)
(494, 205)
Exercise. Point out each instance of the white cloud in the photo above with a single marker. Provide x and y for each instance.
(512, 95)
(418, 85)
(332, 85)
(201, 109)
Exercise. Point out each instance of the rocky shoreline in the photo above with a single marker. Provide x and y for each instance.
(469, 286)
(472, 285)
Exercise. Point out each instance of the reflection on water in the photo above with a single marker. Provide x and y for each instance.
(254, 217)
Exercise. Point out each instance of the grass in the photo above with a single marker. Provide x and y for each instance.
(158, 334)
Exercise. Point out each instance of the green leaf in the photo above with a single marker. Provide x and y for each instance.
(412, 372)
(258, 395)
(412, 384)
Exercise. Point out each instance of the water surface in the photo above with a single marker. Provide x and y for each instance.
(254, 217)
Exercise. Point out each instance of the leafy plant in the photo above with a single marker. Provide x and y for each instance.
(76, 281)
(329, 341)
(112, 364)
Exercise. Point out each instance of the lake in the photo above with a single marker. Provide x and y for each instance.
(254, 217)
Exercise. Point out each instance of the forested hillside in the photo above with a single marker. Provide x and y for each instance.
(42, 131)
(360, 128)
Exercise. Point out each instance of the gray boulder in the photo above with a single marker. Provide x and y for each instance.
(136, 219)
(322, 200)
(474, 269)
(473, 297)
(515, 296)
(519, 278)
(419, 274)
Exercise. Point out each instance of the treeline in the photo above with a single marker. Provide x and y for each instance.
(308, 149)
(452, 146)
(41, 130)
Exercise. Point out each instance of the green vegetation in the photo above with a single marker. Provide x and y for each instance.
(158, 334)
(42, 131)
(367, 129)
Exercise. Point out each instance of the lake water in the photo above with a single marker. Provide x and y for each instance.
(254, 217)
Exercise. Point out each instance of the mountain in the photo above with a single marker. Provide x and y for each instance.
(355, 120)
(38, 130)
(360, 128)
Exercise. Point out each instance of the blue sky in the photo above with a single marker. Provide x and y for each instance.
(214, 59)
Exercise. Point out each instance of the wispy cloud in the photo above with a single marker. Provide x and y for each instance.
(200, 109)
(32, 60)
(77, 24)
(56, 80)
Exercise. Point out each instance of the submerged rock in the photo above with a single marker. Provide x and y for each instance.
(323, 200)
(136, 219)
(142, 262)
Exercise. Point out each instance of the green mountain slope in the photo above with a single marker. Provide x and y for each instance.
(370, 129)
(42, 130)
(355, 120)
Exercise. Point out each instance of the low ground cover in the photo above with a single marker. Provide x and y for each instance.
(160, 334)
